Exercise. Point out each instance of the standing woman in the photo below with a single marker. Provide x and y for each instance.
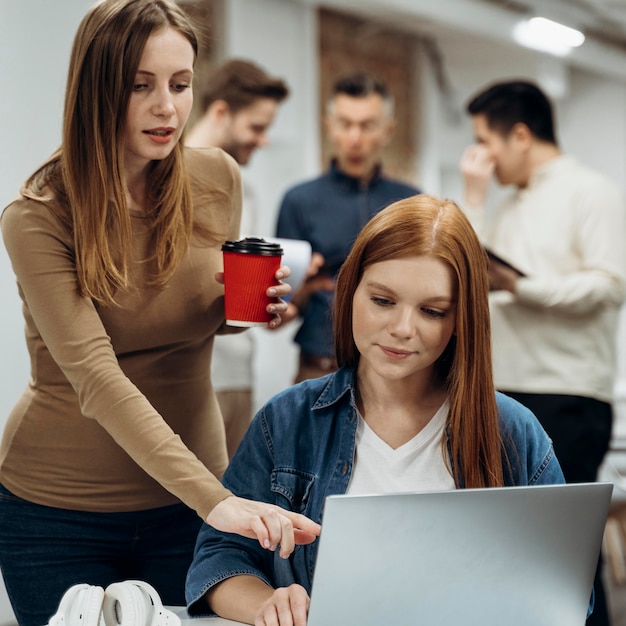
(111, 458)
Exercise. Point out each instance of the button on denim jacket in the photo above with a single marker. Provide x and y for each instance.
(298, 450)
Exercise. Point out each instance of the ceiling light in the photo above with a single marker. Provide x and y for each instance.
(540, 33)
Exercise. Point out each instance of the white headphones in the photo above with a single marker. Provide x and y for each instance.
(81, 605)
(128, 603)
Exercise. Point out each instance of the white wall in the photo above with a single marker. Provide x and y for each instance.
(35, 41)
(593, 121)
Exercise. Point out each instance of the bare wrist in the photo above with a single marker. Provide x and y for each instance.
(475, 199)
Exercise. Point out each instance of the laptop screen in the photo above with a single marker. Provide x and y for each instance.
(510, 555)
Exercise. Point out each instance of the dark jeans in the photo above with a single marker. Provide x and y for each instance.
(45, 550)
(580, 429)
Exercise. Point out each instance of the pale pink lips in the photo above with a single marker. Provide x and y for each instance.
(395, 354)
(160, 135)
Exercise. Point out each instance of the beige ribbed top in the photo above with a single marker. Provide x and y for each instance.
(119, 413)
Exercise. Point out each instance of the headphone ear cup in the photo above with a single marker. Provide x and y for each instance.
(81, 605)
(160, 616)
(124, 604)
(135, 603)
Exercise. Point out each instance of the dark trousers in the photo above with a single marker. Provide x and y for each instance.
(45, 550)
(580, 429)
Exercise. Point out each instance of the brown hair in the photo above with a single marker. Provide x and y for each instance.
(241, 83)
(425, 225)
(86, 173)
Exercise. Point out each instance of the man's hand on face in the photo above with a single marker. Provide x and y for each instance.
(477, 168)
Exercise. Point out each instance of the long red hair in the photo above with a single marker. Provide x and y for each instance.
(426, 225)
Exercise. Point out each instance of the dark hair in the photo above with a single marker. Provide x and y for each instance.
(240, 83)
(360, 85)
(508, 103)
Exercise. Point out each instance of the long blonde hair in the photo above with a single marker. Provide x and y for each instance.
(85, 175)
(425, 225)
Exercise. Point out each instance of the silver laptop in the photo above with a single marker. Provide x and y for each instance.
(514, 556)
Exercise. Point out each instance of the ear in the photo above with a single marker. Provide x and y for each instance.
(326, 121)
(390, 129)
(220, 110)
(521, 134)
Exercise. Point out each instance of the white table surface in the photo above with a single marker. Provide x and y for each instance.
(181, 611)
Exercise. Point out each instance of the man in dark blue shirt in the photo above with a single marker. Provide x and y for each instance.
(329, 211)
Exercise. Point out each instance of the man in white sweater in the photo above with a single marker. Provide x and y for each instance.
(555, 308)
(239, 103)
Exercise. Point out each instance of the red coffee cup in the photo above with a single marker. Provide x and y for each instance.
(250, 267)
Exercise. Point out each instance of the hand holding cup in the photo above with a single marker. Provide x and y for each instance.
(252, 282)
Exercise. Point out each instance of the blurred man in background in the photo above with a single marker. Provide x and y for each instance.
(240, 101)
(330, 210)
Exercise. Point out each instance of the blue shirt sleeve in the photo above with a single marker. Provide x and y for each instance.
(220, 555)
(530, 457)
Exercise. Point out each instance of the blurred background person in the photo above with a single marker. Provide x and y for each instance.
(239, 103)
(555, 319)
(329, 211)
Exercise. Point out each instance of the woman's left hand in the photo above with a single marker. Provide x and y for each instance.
(276, 292)
(279, 291)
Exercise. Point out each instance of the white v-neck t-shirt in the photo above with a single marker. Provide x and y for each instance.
(417, 465)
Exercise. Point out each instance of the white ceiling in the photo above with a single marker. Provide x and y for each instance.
(602, 21)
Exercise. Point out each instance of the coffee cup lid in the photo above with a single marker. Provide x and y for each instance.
(253, 245)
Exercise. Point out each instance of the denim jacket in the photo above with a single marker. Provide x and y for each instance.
(298, 450)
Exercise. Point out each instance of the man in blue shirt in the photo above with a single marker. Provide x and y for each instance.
(329, 211)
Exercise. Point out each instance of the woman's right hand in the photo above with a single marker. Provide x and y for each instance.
(267, 523)
(287, 606)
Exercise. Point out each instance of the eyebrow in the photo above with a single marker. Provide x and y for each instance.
(375, 285)
(147, 73)
(380, 286)
(366, 120)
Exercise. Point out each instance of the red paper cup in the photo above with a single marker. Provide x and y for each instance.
(250, 267)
